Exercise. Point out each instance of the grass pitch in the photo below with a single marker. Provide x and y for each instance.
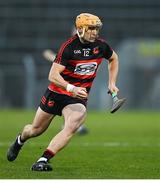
(120, 145)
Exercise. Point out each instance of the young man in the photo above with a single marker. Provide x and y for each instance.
(71, 77)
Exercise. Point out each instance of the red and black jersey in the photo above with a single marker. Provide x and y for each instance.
(81, 62)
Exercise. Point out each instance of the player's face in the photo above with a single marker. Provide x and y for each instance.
(91, 33)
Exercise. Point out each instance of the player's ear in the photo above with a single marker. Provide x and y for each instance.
(80, 30)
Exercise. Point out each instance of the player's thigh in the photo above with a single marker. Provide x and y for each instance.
(74, 113)
(42, 119)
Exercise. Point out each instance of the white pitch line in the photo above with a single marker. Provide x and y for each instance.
(96, 144)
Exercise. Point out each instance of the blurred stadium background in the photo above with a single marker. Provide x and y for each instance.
(29, 27)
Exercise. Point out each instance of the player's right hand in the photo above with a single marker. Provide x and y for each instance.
(80, 92)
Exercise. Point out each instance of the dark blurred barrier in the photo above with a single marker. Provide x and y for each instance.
(29, 27)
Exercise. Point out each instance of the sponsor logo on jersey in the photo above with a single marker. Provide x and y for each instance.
(86, 68)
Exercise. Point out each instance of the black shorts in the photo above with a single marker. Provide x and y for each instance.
(53, 103)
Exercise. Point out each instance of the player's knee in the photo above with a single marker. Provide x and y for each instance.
(75, 124)
(71, 128)
(36, 131)
(75, 119)
(81, 117)
(82, 112)
(32, 131)
(27, 128)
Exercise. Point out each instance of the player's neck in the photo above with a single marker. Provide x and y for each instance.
(83, 41)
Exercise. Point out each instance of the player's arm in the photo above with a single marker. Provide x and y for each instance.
(57, 79)
(113, 72)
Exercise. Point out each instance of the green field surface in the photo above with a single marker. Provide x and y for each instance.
(118, 146)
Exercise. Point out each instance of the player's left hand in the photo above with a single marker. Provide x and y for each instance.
(113, 88)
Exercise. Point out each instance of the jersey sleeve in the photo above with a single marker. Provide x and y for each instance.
(107, 50)
(63, 55)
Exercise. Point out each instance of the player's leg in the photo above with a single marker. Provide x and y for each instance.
(40, 124)
(74, 116)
